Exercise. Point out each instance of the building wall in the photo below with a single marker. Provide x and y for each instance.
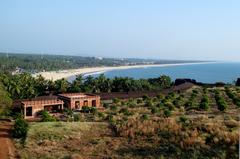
(81, 102)
(35, 109)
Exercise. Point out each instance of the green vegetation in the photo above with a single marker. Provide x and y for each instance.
(20, 128)
(24, 86)
(36, 62)
(222, 105)
(46, 117)
(133, 128)
(204, 105)
(5, 101)
(233, 96)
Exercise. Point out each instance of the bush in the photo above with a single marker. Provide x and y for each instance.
(93, 110)
(125, 111)
(105, 105)
(204, 103)
(144, 117)
(110, 118)
(46, 117)
(204, 106)
(100, 114)
(195, 91)
(20, 128)
(76, 117)
(154, 110)
(86, 109)
(145, 97)
(149, 103)
(116, 100)
(139, 101)
(167, 113)
(183, 119)
(113, 108)
(222, 105)
(169, 105)
(69, 112)
(160, 96)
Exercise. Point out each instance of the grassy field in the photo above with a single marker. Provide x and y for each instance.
(197, 123)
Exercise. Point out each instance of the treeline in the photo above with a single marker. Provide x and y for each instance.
(24, 86)
(35, 62)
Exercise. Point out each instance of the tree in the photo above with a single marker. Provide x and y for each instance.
(5, 101)
(61, 85)
(77, 84)
(161, 82)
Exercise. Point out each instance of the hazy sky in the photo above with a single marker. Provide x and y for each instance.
(163, 29)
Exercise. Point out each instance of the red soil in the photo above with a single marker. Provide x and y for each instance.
(7, 150)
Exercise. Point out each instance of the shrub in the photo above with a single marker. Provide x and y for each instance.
(93, 110)
(233, 96)
(20, 128)
(145, 97)
(149, 103)
(116, 100)
(113, 108)
(139, 101)
(195, 91)
(125, 112)
(131, 104)
(105, 105)
(160, 104)
(86, 109)
(100, 114)
(169, 105)
(69, 112)
(204, 103)
(76, 117)
(46, 117)
(183, 119)
(167, 113)
(222, 105)
(144, 117)
(109, 118)
(176, 103)
(160, 96)
(154, 110)
(204, 106)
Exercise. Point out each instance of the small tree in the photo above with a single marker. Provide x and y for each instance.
(20, 128)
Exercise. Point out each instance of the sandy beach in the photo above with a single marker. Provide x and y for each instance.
(55, 75)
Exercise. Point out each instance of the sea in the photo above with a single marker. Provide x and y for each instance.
(226, 72)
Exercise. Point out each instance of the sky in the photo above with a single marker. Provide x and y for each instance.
(156, 29)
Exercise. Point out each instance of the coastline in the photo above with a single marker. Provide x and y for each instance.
(55, 75)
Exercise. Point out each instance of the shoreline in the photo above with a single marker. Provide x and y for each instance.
(55, 75)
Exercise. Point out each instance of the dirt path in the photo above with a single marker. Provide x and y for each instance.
(7, 150)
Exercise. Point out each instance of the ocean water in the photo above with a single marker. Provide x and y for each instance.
(207, 73)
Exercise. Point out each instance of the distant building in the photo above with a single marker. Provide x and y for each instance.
(17, 70)
(78, 100)
(54, 104)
